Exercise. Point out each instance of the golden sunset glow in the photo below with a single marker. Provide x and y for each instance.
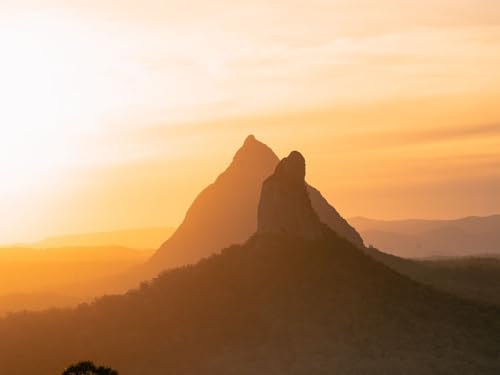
(106, 107)
(249, 187)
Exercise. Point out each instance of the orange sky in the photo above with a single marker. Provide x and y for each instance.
(116, 113)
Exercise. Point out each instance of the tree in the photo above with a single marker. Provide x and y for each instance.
(88, 368)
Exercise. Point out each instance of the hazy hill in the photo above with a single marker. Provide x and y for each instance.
(139, 238)
(25, 270)
(42, 278)
(65, 270)
(429, 238)
(294, 299)
(474, 278)
(38, 301)
(225, 213)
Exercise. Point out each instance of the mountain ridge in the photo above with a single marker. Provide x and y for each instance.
(467, 236)
(281, 303)
(225, 212)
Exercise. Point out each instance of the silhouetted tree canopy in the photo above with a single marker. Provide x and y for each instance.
(88, 368)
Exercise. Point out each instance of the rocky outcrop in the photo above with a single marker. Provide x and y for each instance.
(284, 205)
(226, 212)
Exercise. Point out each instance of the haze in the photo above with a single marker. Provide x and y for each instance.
(123, 111)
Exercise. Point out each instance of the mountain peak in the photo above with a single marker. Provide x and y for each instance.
(292, 167)
(284, 205)
(250, 139)
(224, 213)
(228, 211)
(254, 151)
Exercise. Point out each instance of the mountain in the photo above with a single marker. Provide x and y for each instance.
(470, 236)
(296, 298)
(139, 238)
(225, 213)
(285, 207)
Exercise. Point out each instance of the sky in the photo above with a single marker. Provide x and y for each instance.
(115, 114)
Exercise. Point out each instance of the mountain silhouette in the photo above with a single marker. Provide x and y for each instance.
(285, 207)
(470, 236)
(225, 213)
(296, 298)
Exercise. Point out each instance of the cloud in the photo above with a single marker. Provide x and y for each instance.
(420, 136)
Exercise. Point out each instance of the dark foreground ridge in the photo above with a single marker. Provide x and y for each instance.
(285, 302)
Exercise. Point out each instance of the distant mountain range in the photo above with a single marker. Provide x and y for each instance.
(225, 213)
(137, 238)
(470, 236)
(294, 298)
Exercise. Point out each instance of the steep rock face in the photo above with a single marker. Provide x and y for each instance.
(328, 215)
(224, 213)
(284, 205)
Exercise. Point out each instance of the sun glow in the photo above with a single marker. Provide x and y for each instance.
(106, 102)
(50, 95)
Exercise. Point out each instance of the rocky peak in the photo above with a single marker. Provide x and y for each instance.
(224, 213)
(284, 205)
(292, 168)
(253, 151)
(250, 139)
